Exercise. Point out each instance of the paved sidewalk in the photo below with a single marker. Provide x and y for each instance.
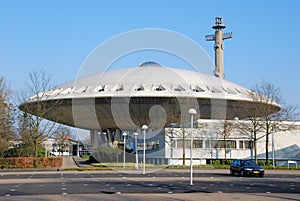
(74, 162)
(79, 162)
(68, 162)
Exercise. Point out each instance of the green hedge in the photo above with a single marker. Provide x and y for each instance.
(30, 162)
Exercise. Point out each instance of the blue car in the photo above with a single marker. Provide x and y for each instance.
(246, 167)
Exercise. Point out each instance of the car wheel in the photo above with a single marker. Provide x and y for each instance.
(231, 172)
(261, 175)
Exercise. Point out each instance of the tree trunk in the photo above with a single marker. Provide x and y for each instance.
(183, 148)
(267, 143)
(35, 153)
(35, 149)
(255, 148)
(267, 148)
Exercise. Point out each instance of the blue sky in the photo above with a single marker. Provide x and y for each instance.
(59, 35)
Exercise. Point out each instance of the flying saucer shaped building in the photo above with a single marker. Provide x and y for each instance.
(148, 94)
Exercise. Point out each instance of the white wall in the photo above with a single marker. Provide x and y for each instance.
(284, 142)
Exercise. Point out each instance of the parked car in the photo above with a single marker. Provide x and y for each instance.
(246, 167)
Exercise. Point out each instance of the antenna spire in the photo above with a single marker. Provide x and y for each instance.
(219, 38)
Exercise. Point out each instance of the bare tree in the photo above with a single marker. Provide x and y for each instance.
(36, 129)
(253, 125)
(6, 131)
(252, 128)
(271, 94)
(177, 131)
(225, 131)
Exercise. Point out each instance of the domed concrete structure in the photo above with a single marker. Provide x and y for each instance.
(148, 94)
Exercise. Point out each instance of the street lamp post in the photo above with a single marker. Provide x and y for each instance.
(124, 136)
(136, 152)
(273, 147)
(144, 127)
(191, 112)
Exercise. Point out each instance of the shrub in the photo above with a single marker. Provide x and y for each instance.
(106, 154)
(30, 162)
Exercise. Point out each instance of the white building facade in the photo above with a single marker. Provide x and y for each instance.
(172, 146)
(59, 147)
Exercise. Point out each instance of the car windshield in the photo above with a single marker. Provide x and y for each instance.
(249, 163)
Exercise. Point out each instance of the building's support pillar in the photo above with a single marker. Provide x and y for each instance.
(103, 139)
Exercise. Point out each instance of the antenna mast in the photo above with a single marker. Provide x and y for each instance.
(219, 38)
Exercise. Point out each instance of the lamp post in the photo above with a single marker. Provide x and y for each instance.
(191, 112)
(273, 147)
(136, 152)
(124, 136)
(144, 127)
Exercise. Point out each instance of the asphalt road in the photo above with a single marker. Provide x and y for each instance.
(165, 184)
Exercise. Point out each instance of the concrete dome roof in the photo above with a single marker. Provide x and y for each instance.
(89, 102)
(148, 81)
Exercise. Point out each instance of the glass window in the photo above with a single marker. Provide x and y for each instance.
(139, 88)
(218, 143)
(197, 89)
(214, 143)
(179, 143)
(197, 144)
(149, 145)
(187, 143)
(152, 145)
(248, 144)
(241, 144)
(173, 143)
(230, 144)
(207, 144)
